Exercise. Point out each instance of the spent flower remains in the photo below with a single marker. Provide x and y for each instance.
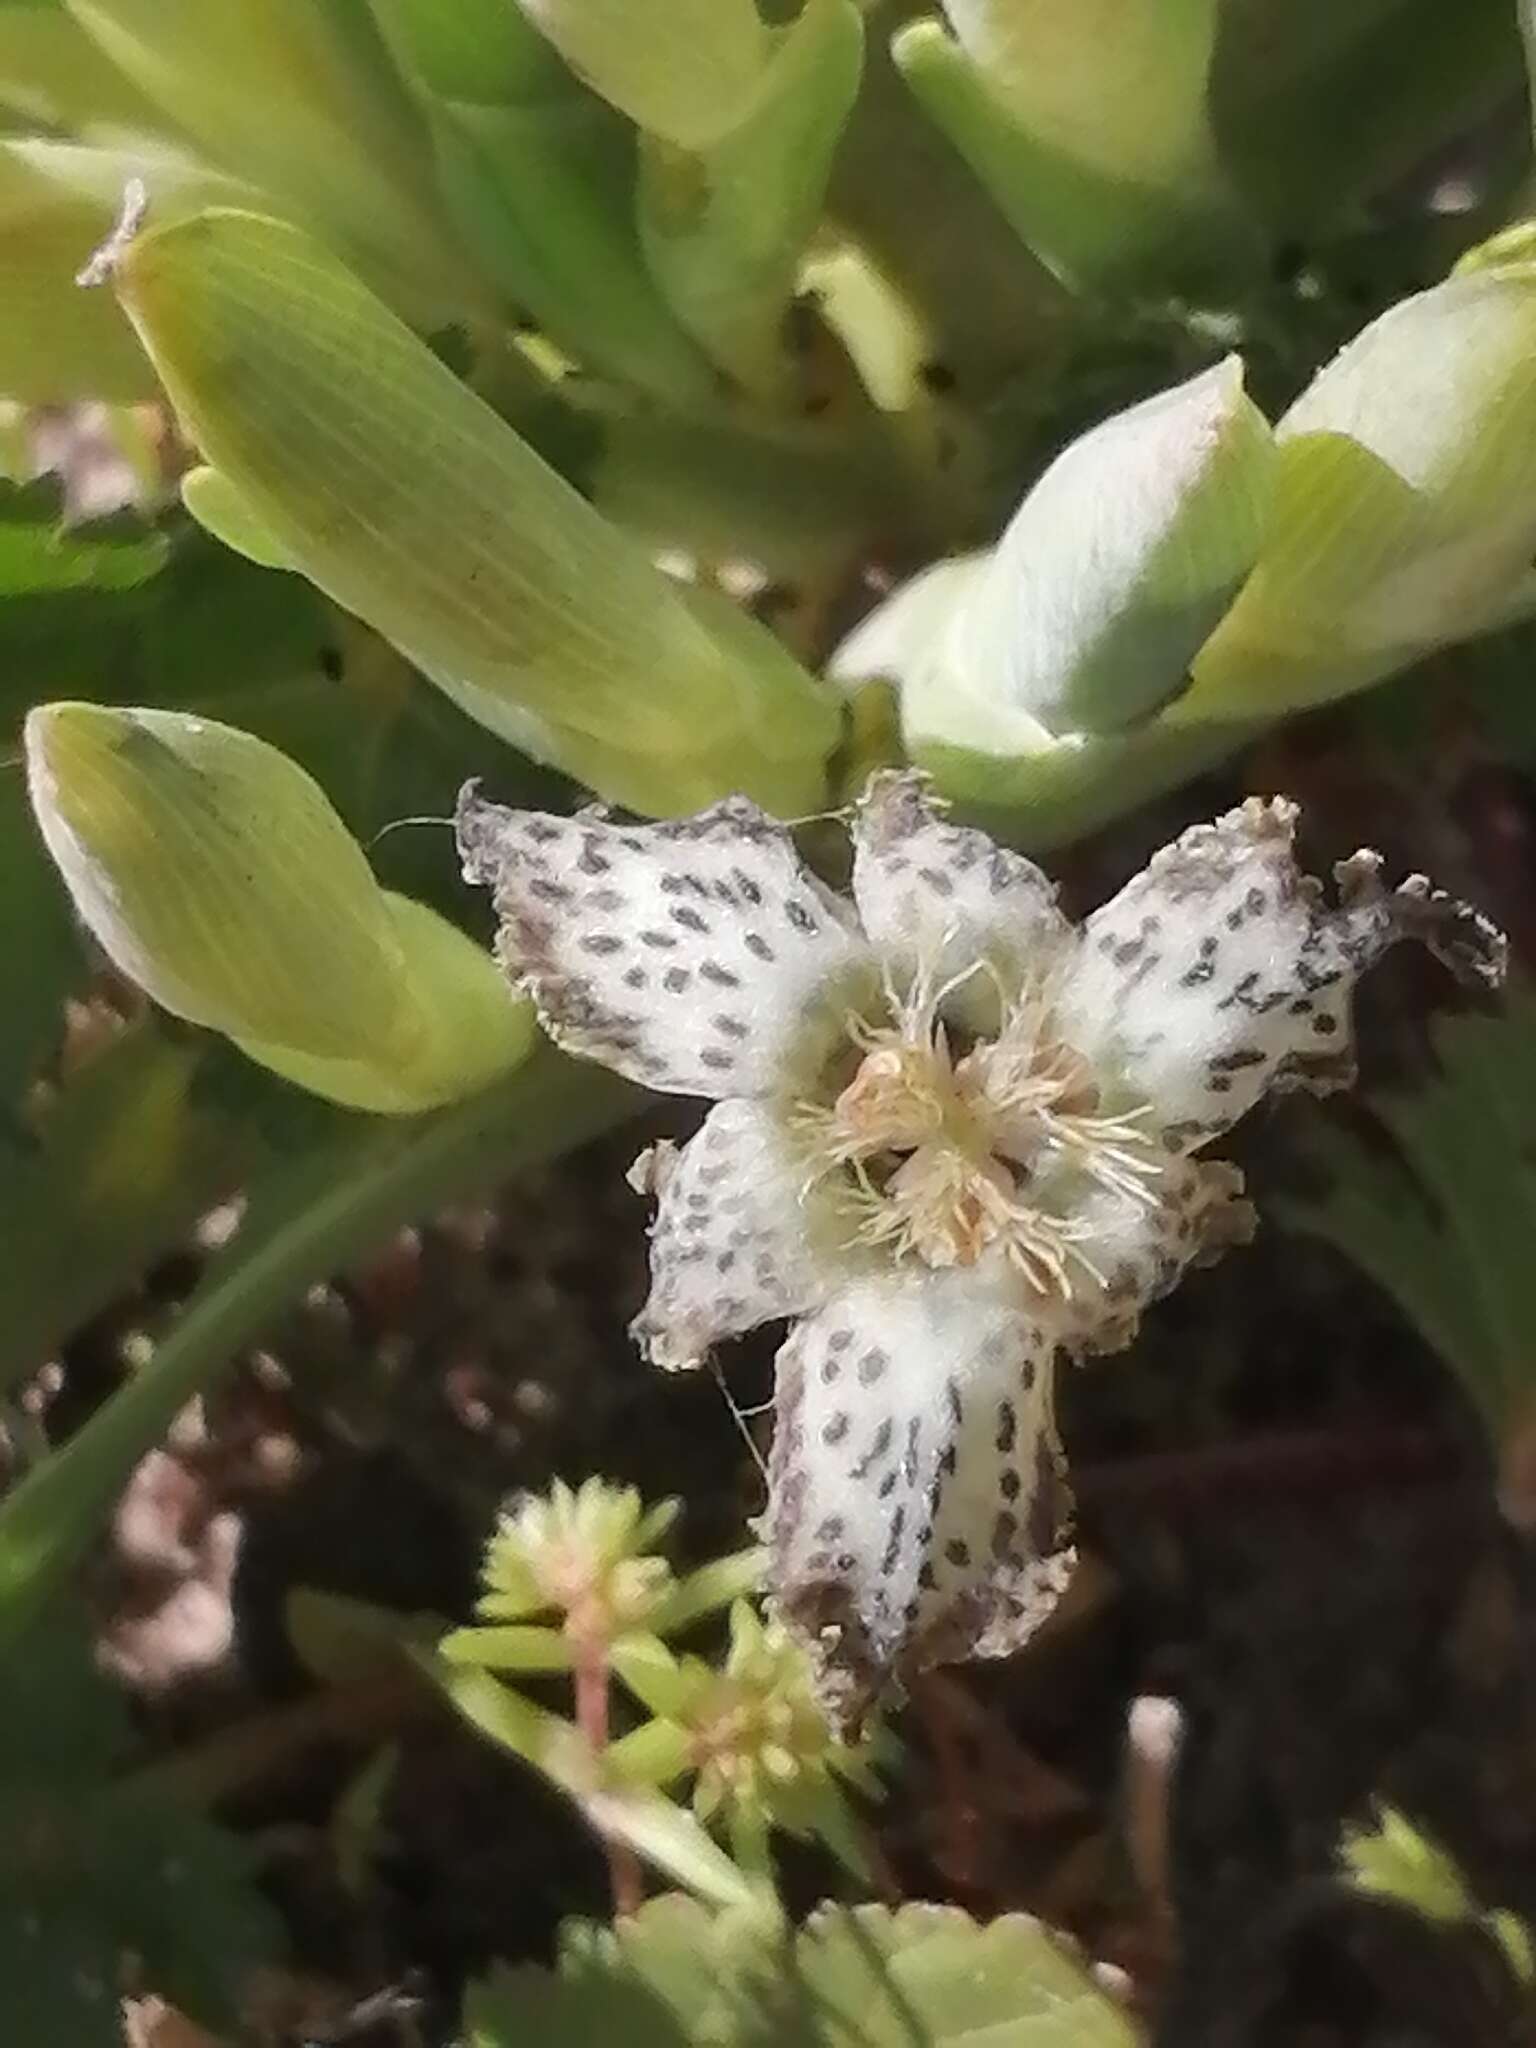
(953, 1138)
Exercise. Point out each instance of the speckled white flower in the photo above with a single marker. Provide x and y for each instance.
(953, 1136)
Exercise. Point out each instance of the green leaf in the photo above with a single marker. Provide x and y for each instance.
(186, 1893)
(869, 1969)
(799, 496)
(512, 1647)
(670, 1840)
(1445, 1223)
(540, 177)
(569, 2011)
(476, 51)
(1467, 1137)
(47, 570)
(656, 1753)
(1376, 1213)
(284, 97)
(661, 1685)
(724, 226)
(205, 629)
(408, 501)
(1094, 146)
(684, 70)
(991, 313)
(326, 1192)
(532, 1733)
(37, 929)
(341, 1641)
(214, 634)
(1516, 1938)
(1392, 1860)
(716, 1584)
(121, 1164)
(636, 1815)
(92, 1871)
(40, 556)
(57, 1987)
(922, 1977)
(52, 76)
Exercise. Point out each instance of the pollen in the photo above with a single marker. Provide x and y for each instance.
(942, 1146)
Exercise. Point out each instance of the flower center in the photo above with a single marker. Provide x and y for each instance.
(939, 1158)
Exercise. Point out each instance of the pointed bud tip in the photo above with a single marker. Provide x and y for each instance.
(102, 267)
(57, 734)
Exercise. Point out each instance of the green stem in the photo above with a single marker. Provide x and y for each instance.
(314, 1215)
(750, 1853)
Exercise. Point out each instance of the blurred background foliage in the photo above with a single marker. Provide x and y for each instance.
(644, 403)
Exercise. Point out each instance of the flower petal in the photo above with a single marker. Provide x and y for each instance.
(916, 1503)
(1219, 972)
(943, 892)
(682, 955)
(732, 1243)
(1140, 1248)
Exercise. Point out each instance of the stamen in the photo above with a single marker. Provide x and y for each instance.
(933, 1159)
(957, 981)
(1106, 1150)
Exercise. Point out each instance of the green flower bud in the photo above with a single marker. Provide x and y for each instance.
(752, 1735)
(361, 459)
(681, 69)
(1405, 507)
(1087, 125)
(1075, 74)
(724, 224)
(1027, 673)
(214, 873)
(584, 1555)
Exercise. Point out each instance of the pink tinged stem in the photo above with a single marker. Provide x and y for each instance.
(589, 1670)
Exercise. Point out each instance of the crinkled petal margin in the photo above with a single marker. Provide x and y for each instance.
(1137, 1248)
(918, 1509)
(683, 955)
(1220, 972)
